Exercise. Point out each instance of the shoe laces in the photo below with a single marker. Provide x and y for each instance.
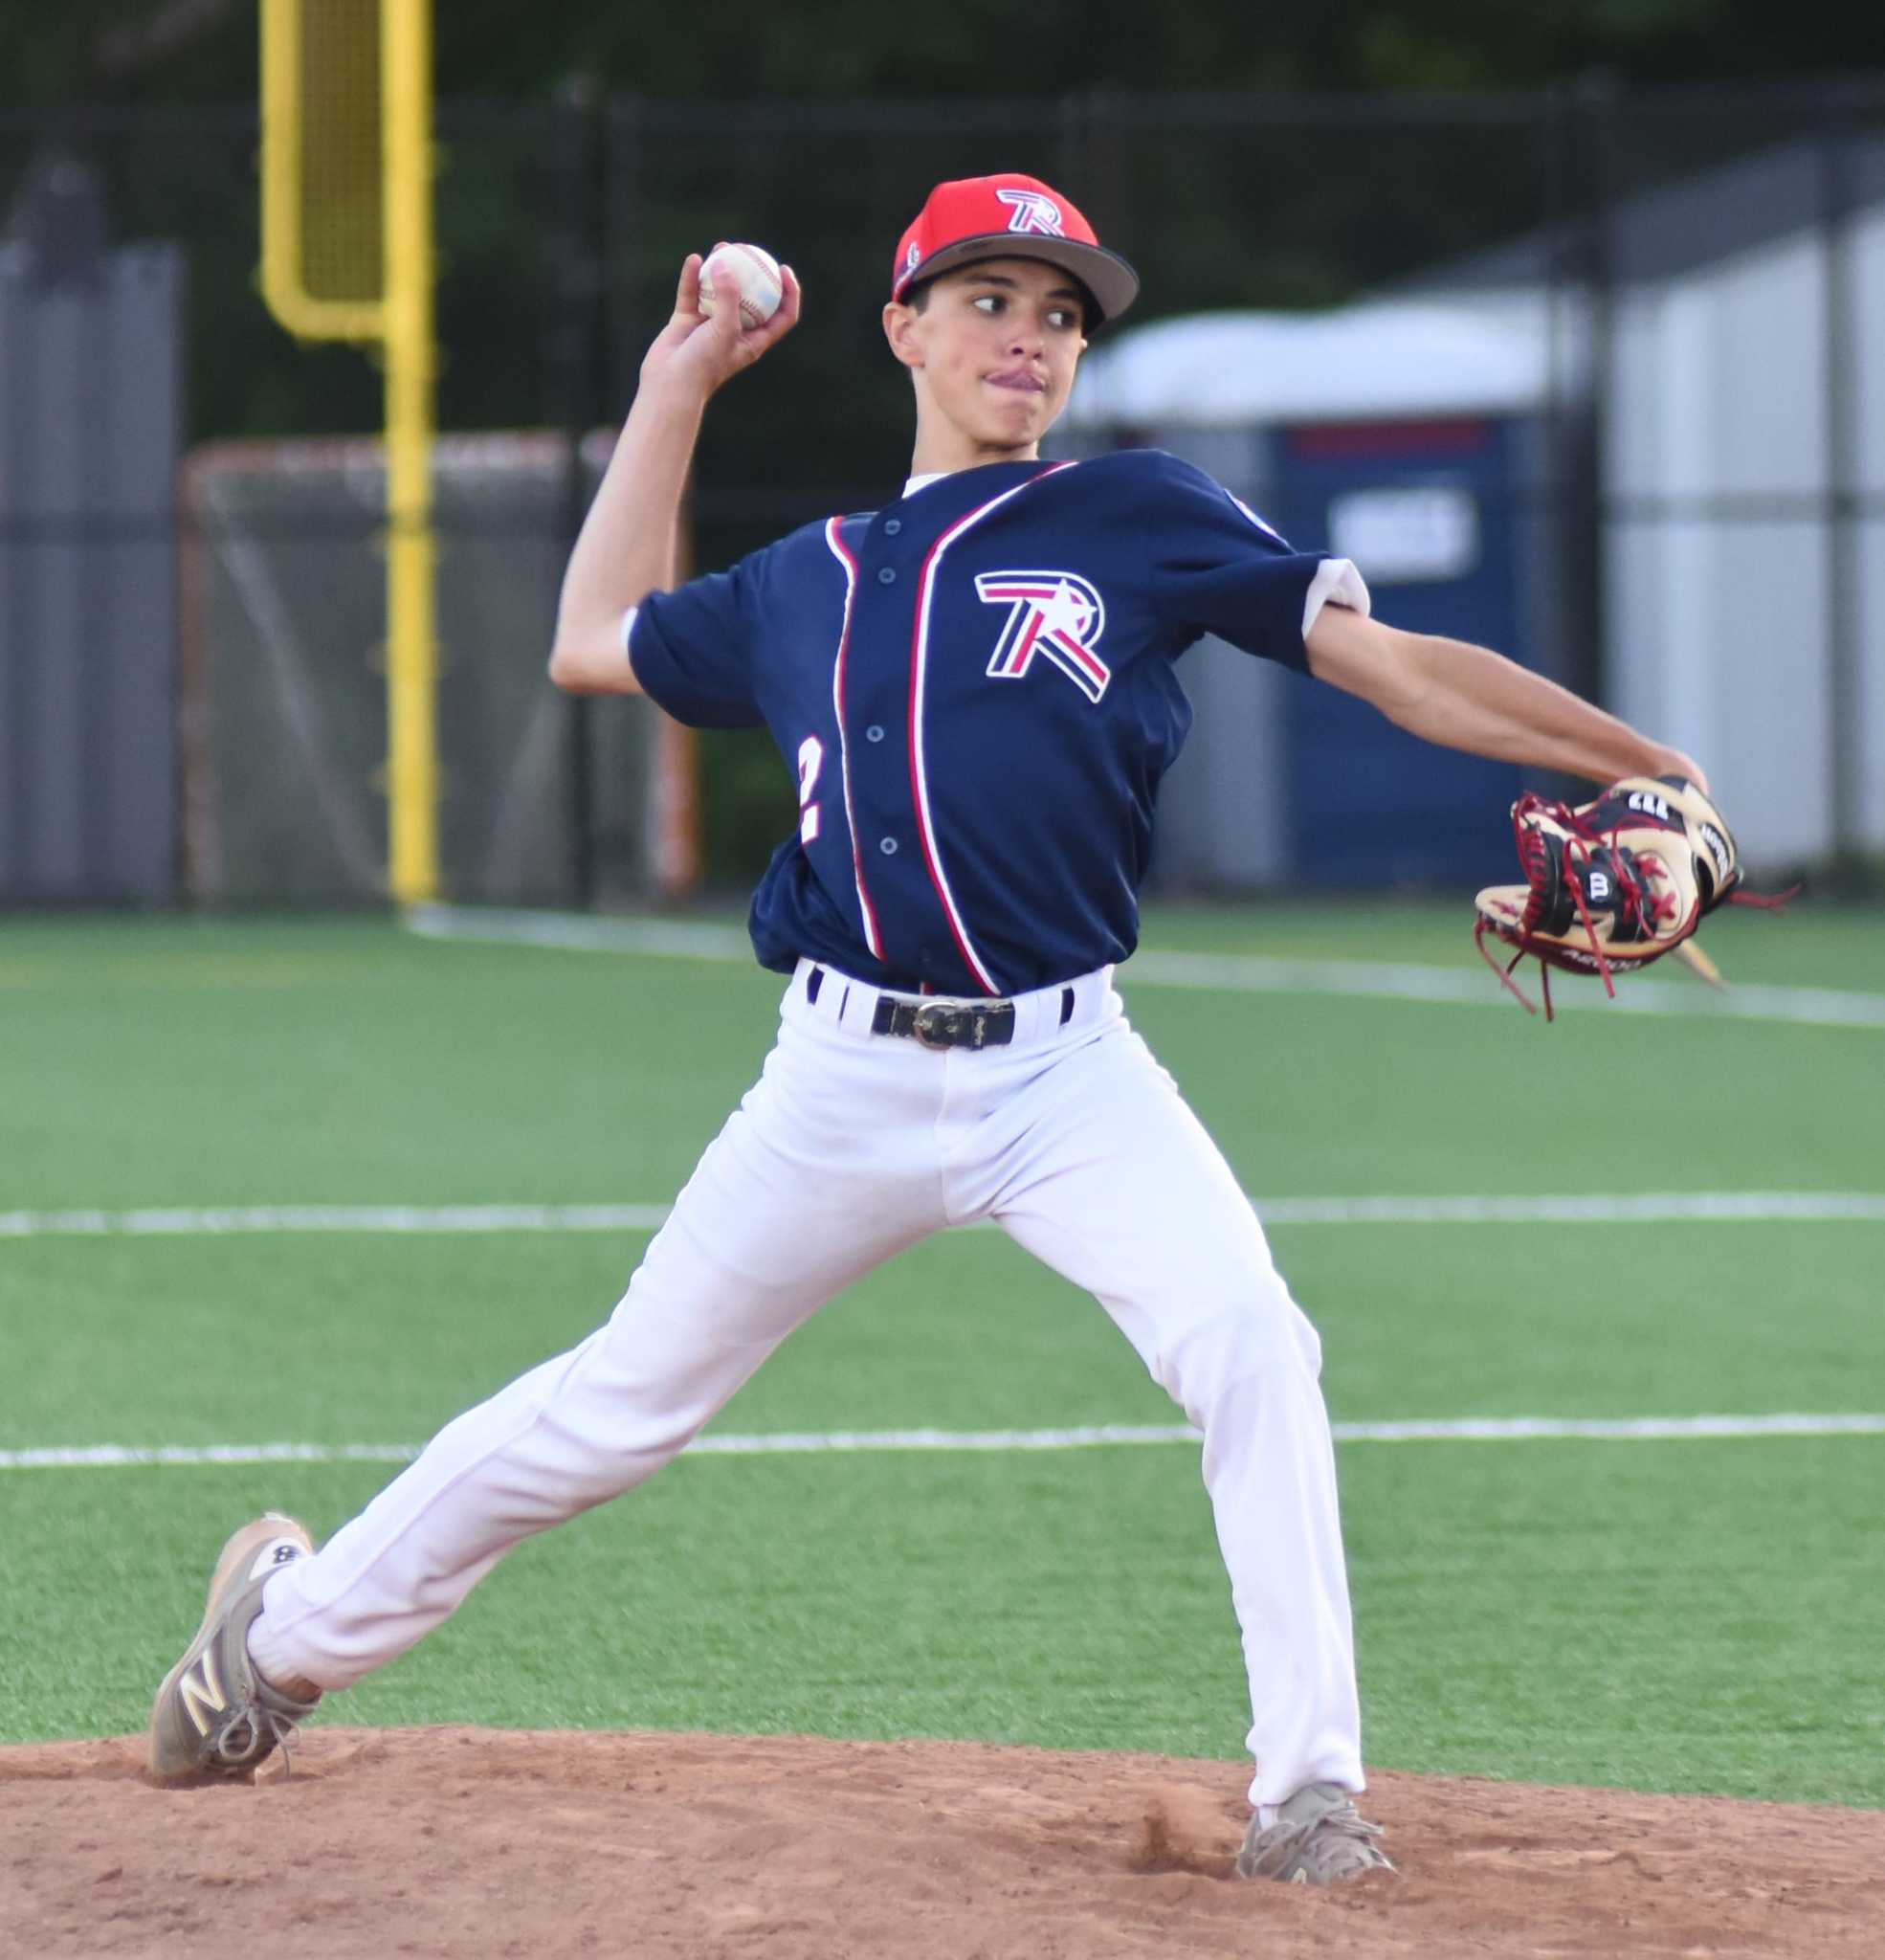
(247, 1734)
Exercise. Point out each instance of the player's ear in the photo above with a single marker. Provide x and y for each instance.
(901, 329)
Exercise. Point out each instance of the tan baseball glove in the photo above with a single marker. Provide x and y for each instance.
(1612, 884)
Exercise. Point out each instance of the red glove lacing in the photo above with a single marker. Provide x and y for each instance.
(1636, 904)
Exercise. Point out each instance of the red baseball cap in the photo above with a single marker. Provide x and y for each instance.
(1009, 216)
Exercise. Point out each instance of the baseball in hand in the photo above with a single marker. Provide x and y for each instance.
(757, 274)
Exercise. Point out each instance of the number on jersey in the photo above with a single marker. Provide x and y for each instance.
(812, 759)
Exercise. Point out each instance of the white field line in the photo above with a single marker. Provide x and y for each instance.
(1820, 1007)
(582, 932)
(222, 1220)
(1635, 1208)
(844, 1442)
(1465, 986)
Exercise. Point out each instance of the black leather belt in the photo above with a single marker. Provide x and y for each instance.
(942, 1023)
(947, 1023)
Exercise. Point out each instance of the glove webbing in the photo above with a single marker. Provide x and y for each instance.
(1647, 908)
(1635, 903)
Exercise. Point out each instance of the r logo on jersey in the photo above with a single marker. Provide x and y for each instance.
(1053, 612)
(1033, 212)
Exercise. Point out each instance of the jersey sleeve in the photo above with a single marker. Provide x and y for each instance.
(1216, 567)
(690, 650)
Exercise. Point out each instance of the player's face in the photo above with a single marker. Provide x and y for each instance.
(993, 352)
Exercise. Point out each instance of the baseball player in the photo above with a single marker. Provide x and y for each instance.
(977, 686)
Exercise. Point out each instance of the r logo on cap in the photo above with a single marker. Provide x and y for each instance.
(1033, 212)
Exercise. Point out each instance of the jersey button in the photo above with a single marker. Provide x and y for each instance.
(888, 846)
(874, 733)
(892, 525)
(886, 577)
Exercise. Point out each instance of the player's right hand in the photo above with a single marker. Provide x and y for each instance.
(704, 350)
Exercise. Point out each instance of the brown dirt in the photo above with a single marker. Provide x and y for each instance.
(473, 1842)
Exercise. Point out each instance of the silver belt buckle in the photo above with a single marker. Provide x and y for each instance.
(934, 1023)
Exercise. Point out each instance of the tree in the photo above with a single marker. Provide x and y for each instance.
(205, 49)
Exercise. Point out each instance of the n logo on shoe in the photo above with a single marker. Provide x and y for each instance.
(202, 1691)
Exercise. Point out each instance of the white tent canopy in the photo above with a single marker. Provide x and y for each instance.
(1490, 355)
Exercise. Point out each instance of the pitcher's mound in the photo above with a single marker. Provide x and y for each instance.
(467, 1842)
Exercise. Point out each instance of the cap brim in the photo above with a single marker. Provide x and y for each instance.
(1105, 275)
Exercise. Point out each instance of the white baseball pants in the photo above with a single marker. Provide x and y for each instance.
(850, 1147)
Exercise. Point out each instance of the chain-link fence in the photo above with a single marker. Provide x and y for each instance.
(1705, 278)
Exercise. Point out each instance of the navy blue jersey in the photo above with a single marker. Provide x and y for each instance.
(977, 687)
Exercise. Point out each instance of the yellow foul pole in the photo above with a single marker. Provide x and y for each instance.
(411, 561)
(347, 256)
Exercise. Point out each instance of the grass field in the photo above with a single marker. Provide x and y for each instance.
(1669, 1615)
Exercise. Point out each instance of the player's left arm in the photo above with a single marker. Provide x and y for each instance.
(1462, 696)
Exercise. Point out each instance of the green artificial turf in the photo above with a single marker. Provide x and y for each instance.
(1692, 1616)
(1660, 1615)
(361, 1339)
